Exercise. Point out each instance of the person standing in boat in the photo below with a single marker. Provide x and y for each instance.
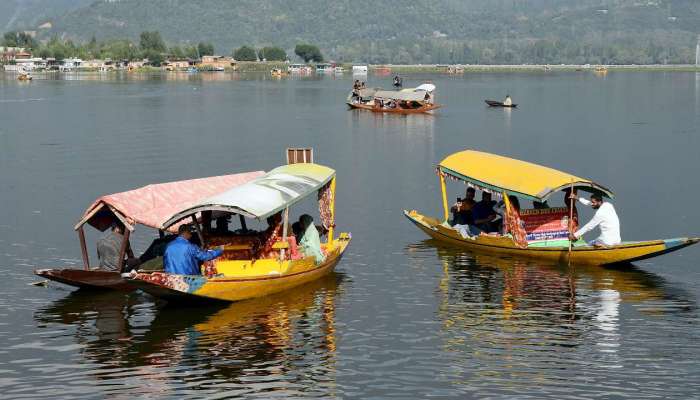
(605, 217)
(183, 257)
(508, 101)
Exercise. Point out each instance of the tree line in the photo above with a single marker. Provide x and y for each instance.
(150, 46)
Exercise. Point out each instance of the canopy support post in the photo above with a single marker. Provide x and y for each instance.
(83, 248)
(443, 189)
(331, 228)
(122, 250)
(199, 230)
(243, 225)
(285, 224)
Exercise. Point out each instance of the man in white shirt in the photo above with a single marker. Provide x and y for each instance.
(605, 217)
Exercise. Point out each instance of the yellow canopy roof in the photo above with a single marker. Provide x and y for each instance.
(515, 177)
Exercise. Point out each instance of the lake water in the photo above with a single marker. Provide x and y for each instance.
(402, 317)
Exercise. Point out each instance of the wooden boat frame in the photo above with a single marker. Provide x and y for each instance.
(426, 107)
(546, 181)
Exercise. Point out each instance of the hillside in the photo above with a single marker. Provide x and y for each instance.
(493, 31)
(28, 14)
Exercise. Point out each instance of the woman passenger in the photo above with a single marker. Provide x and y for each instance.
(310, 243)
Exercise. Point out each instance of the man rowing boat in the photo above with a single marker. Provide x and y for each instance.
(605, 217)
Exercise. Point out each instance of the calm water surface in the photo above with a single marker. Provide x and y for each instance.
(403, 317)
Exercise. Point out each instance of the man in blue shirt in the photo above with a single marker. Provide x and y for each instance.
(183, 258)
(484, 214)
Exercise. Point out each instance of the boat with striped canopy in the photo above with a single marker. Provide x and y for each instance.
(255, 264)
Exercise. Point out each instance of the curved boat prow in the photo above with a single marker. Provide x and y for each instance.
(623, 253)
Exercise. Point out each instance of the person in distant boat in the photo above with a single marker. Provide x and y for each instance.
(605, 217)
(484, 215)
(310, 243)
(109, 246)
(183, 257)
(508, 101)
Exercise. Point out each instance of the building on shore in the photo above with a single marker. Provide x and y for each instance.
(176, 64)
(217, 63)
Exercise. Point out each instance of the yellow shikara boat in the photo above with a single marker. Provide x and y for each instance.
(254, 264)
(510, 177)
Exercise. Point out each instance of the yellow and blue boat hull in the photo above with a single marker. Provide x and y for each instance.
(622, 253)
(240, 280)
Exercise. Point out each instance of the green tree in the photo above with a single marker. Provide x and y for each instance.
(152, 41)
(308, 52)
(272, 54)
(191, 52)
(176, 52)
(245, 53)
(205, 49)
(155, 57)
(19, 39)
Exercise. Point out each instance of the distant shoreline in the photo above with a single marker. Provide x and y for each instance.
(385, 69)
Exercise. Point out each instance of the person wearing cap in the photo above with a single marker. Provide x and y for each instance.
(183, 257)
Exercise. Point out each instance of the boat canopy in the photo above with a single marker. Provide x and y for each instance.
(426, 87)
(267, 195)
(151, 205)
(518, 178)
(406, 96)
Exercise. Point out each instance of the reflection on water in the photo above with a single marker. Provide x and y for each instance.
(519, 321)
(280, 345)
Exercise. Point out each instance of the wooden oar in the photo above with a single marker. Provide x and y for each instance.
(571, 219)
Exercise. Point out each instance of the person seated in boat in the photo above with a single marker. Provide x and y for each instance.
(605, 217)
(540, 205)
(221, 226)
(485, 217)
(391, 104)
(508, 101)
(270, 236)
(310, 243)
(356, 84)
(109, 247)
(462, 220)
(183, 257)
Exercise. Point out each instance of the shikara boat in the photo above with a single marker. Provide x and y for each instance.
(149, 206)
(255, 264)
(494, 103)
(407, 101)
(545, 232)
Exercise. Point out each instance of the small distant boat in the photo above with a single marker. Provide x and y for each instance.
(301, 69)
(276, 72)
(339, 70)
(25, 76)
(494, 103)
(218, 69)
(407, 101)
